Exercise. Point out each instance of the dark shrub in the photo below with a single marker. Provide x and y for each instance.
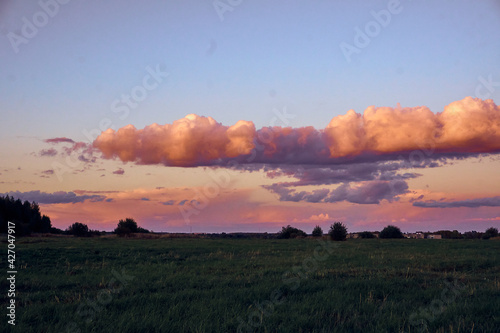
(450, 234)
(490, 232)
(472, 235)
(338, 231)
(366, 234)
(56, 231)
(291, 232)
(127, 227)
(391, 231)
(78, 229)
(142, 230)
(317, 231)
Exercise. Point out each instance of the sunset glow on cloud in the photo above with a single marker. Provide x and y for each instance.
(464, 127)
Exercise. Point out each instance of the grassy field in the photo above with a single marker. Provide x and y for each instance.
(255, 285)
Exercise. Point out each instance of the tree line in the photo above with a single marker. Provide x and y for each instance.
(338, 232)
(28, 219)
(26, 216)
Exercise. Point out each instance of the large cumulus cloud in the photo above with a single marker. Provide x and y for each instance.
(468, 126)
(190, 141)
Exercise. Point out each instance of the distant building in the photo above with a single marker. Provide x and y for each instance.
(434, 236)
(416, 235)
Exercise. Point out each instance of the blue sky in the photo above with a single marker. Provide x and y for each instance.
(262, 56)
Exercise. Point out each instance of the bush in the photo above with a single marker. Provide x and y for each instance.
(127, 227)
(338, 231)
(391, 231)
(290, 232)
(56, 231)
(366, 234)
(317, 231)
(142, 230)
(490, 232)
(450, 234)
(78, 229)
(472, 235)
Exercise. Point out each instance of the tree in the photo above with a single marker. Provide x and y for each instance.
(338, 231)
(490, 232)
(450, 234)
(391, 231)
(291, 232)
(317, 231)
(472, 235)
(57, 231)
(126, 227)
(366, 234)
(78, 229)
(142, 230)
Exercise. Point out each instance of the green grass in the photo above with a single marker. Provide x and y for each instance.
(214, 285)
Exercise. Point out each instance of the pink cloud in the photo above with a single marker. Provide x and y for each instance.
(120, 171)
(320, 217)
(48, 152)
(54, 198)
(371, 192)
(59, 140)
(190, 141)
(468, 126)
(472, 203)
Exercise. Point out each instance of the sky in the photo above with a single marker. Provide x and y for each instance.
(245, 116)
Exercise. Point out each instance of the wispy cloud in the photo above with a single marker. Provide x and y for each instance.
(59, 140)
(53, 198)
(479, 202)
(48, 152)
(120, 171)
(372, 192)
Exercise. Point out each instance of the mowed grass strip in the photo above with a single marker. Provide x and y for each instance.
(217, 285)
